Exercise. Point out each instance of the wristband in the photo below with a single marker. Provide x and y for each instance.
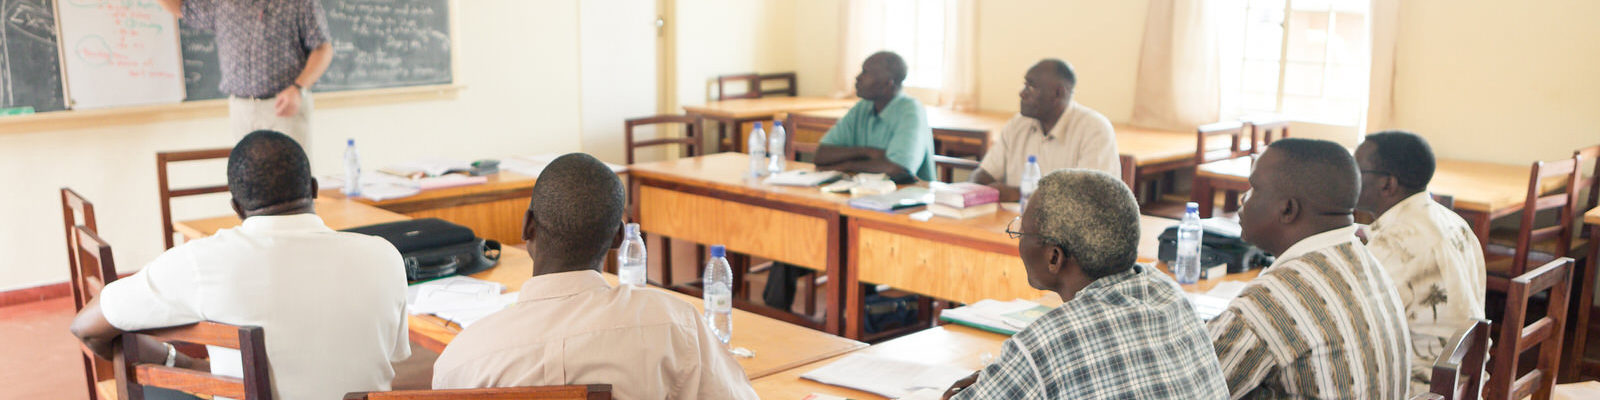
(297, 86)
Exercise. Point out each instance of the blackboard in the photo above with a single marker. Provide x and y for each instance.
(376, 43)
(30, 65)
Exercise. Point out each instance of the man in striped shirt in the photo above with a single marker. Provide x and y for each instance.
(1324, 321)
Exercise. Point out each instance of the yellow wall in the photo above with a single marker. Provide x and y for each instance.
(1502, 82)
(518, 60)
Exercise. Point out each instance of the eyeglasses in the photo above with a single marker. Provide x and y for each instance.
(1014, 229)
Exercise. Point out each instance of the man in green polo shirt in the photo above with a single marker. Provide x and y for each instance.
(886, 132)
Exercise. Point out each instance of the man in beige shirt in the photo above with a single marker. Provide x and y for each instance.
(1429, 251)
(569, 326)
(1060, 133)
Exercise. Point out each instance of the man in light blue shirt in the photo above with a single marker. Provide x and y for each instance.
(886, 132)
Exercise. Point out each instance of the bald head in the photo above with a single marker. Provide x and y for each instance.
(1321, 172)
(575, 212)
(891, 63)
(268, 168)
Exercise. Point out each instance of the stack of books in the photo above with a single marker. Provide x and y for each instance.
(964, 200)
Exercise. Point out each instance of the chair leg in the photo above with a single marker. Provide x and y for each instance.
(1203, 195)
(1230, 202)
(666, 261)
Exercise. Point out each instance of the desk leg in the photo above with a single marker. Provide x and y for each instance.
(1580, 341)
(851, 283)
(1203, 194)
(840, 278)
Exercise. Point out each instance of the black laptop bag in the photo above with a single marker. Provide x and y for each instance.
(435, 248)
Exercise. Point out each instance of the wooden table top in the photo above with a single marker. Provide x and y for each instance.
(991, 229)
(1592, 217)
(939, 118)
(499, 184)
(336, 213)
(1233, 168)
(1152, 146)
(766, 107)
(726, 172)
(1481, 186)
(777, 345)
(945, 345)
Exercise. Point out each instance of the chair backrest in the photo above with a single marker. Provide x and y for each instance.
(947, 166)
(756, 87)
(960, 142)
(1265, 130)
(1536, 202)
(1445, 200)
(1515, 337)
(569, 392)
(1130, 172)
(1592, 181)
(689, 143)
(73, 209)
(798, 124)
(1467, 354)
(1234, 130)
(132, 376)
(92, 268)
(168, 193)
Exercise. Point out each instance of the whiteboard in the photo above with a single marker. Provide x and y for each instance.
(119, 53)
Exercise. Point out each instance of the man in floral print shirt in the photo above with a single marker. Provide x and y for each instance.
(1429, 252)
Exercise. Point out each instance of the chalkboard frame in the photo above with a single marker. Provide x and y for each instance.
(71, 118)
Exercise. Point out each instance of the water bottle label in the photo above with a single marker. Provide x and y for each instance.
(719, 302)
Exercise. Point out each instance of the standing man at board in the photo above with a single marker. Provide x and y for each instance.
(271, 51)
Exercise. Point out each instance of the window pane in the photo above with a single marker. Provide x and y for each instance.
(1263, 33)
(1308, 35)
(1347, 82)
(1302, 79)
(1347, 43)
(1259, 77)
(1258, 102)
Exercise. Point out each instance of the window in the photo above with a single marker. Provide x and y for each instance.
(915, 29)
(1302, 59)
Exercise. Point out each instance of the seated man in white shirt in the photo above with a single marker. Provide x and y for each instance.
(1057, 131)
(1429, 252)
(569, 326)
(332, 304)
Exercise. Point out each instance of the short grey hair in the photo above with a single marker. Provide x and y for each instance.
(1092, 215)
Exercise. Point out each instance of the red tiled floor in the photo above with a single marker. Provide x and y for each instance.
(39, 356)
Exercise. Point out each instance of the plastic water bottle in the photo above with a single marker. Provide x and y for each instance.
(718, 295)
(352, 169)
(1187, 266)
(631, 257)
(775, 150)
(758, 152)
(1030, 180)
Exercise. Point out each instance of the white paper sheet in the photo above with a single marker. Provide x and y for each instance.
(886, 376)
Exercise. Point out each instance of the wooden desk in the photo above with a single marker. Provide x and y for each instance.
(955, 133)
(336, 213)
(778, 345)
(1483, 191)
(708, 200)
(946, 345)
(950, 344)
(735, 113)
(959, 260)
(494, 210)
(1586, 290)
(1232, 175)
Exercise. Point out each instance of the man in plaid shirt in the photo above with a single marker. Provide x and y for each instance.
(1124, 331)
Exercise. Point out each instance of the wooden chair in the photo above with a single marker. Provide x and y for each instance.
(1130, 172)
(1221, 169)
(1586, 274)
(1262, 131)
(809, 126)
(1468, 352)
(569, 392)
(947, 166)
(960, 142)
(1555, 241)
(756, 87)
(1505, 383)
(689, 143)
(92, 268)
(132, 375)
(168, 193)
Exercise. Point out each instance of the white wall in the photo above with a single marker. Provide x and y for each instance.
(1501, 82)
(718, 37)
(517, 58)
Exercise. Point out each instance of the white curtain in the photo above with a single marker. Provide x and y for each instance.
(864, 34)
(1385, 19)
(1178, 86)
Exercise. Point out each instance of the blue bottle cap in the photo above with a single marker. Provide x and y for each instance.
(758, 125)
(1031, 158)
(1191, 207)
(349, 142)
(718, 251)
(777, 124)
